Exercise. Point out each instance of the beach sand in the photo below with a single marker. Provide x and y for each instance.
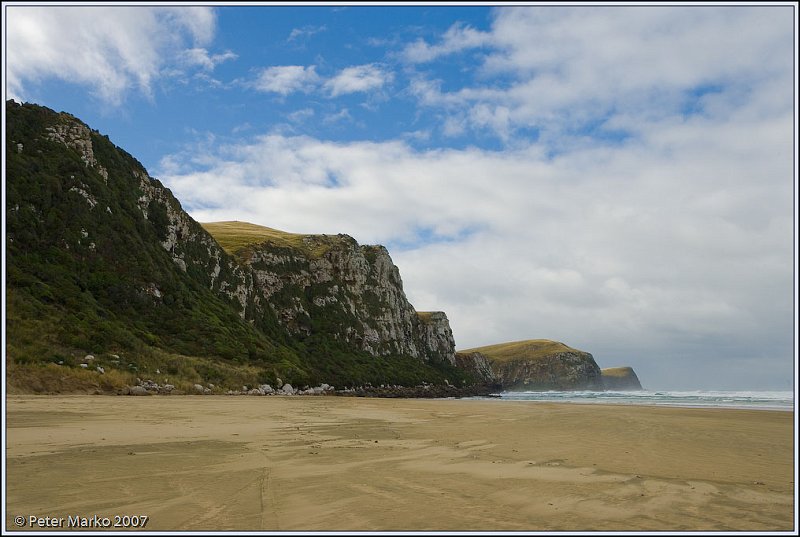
(334, 463)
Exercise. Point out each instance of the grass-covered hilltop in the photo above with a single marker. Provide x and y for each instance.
(542, 364)
(111, 285)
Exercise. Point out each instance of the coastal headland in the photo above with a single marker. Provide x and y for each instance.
(338, 463)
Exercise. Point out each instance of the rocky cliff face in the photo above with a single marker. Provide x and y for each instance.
(352, 292)
(477, 364)
(540, 365)
(561, 371)
(620, 379)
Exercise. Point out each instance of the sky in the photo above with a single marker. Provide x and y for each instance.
(617, 178)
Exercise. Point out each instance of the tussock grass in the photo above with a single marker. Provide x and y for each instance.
(54, 379)
(235, 236)
(529, 349)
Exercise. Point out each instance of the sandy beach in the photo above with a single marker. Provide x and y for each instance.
(335, 463)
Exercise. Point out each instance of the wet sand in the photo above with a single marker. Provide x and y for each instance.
(333, 463)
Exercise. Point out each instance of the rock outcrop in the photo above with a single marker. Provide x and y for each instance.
(330, 283)
(620, 379)
(540, 364)
(477, 364)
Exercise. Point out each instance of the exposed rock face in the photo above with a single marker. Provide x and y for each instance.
(562, 371)
(77, 136)
(477, 364)
(353, 292)
(620, 379)
(435, 336)
(541, 365)
(189, 245)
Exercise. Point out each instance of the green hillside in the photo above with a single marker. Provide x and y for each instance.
(102, 261)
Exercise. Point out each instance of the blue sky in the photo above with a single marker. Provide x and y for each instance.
(617, 178)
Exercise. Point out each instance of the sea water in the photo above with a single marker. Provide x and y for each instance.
(764, 400)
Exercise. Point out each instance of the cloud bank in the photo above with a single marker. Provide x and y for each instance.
(641, 208)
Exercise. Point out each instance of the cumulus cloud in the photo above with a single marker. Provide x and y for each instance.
(286, 79)
(359, 78)
(112, 50)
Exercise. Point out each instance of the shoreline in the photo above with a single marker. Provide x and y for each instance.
(494, 396)
(375, 464)
(637, 404)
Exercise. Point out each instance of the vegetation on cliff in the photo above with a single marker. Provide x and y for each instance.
(102, 261)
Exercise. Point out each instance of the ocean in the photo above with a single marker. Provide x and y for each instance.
(759, 400)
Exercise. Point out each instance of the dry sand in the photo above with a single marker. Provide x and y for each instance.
(334, 463)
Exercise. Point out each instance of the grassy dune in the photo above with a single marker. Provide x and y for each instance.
(529, 349)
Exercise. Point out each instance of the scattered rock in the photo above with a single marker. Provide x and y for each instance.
(138, 390)
(198, 388)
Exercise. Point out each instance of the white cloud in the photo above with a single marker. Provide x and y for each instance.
(341, 115)
(200, 57)
(286, 79)
(305, 31)
(301, 116)
(456, 39)
(359, 78)
(112, 50)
